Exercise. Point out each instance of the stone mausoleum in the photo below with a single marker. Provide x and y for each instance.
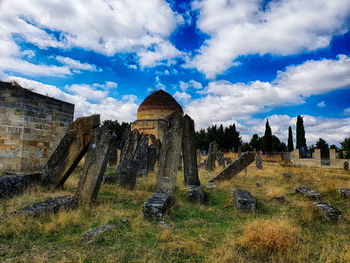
(31, 126)
(152, 113)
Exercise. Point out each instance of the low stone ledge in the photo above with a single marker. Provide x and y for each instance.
(307, 192)
(156, 205)
(330, 212)
(92, 233)
(49, 206)
(15, 183)
(244, 200)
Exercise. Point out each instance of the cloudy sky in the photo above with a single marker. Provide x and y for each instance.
(238, 61)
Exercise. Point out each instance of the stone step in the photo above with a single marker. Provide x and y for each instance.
(156, 205)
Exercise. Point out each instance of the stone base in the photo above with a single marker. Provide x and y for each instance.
(156, 205)
(50, 206)
(330, 212)
(311, 194)
(244, 200)
(196, 194)
(15, 183)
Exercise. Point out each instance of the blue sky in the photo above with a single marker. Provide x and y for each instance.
(224, 61)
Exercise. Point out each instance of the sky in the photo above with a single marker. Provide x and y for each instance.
(224, 61)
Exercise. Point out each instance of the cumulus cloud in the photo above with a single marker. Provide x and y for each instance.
(321, 104)
(104, 26)
(284, 27)
(75, 64)
(347, 111)
(190, 84)
(183, 97)
(88, 92)
(107, 107)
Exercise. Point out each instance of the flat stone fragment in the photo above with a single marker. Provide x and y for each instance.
(70, 151)
(16, 183)
(156, 205)
(210, 185)
(345, 192)
(98, 230)
(307, 192)
(162, 224)
(280, 198)
(330, 212)
(244, 200)
(236, 167)
(49, 206)
(195, 194)
(110, 179)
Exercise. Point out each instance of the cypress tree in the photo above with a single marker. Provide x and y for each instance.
(290, 140)
(268, 137)
(301, 140)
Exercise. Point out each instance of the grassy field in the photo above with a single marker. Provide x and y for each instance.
(291, 231)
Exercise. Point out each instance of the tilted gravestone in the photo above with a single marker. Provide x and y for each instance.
(189, 153)
(70, 151)
(129, 148)
(141, 155)
(170, 151)
(221, 158)
(259, 161)
(330, 212)
(213, 148)
(237, 166)
(244, 200)
(94, 166)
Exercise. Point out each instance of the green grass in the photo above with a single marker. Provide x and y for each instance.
(212, 232)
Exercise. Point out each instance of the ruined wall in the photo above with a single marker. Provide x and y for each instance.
(31, 126)
(154, 127)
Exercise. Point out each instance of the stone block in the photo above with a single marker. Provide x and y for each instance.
(50, 206)
(141, 156)
(127, 174)
(344, 192)
(70, 151)
(307, 192)
(244, 200)
(213, 148)
(195, 194)
(156, 205)
(330, 212)
(92, 233)
(14, 183)
(94, 166)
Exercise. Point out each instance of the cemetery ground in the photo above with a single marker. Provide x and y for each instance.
(279, 231)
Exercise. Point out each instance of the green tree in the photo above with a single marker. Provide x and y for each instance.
(290, 140)
(255, 142)
(300, 133)
(277, 145)
(323, 146)
(267, 137)
(117, 129)
(345, 147)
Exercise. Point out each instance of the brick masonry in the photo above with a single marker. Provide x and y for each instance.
(31, 126)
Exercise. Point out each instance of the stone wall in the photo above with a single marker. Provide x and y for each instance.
(31, 126)
(154, 127)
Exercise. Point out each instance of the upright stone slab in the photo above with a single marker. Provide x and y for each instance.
(179, 167)
(129, 149)
(259, 161)
(113, 151)
(189, 153)
(199, 156)
(330, 212)
(152, 158)
(70, 150)
(244, 200)
(94, 166)
(141, 155)
(16, 183)
(156, 144)
(221, 158)
(213, 148)
(157, 204)
(128, 174)
(237, 166)
(346, 166)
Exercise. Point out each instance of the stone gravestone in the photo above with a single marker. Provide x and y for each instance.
(141, 156)
(152, 158)
(330, 212)
(70, 151)
(179, 167)
(129, 148)
(346, 166)
(221, 158)
(237, 166)
(244, 200)
(128, 174)
(94, 166)
(307, 192)
(170, 151)
(259, 161)
(199, 156)
(213, 148)
(16, 183)
(113, 151)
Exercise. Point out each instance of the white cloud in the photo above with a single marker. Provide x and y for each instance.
(75, 64)
(28, 53)
(111, 84)
(321, 104)
(88, 92)
(347, 111)
(108, 108)
(183, 97)
(191, 84)
(285, 27)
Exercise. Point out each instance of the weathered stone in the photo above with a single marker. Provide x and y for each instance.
(94, 166)
(156, 205)
(141, 156)
(189, 153)
(210, 185)
(345, 192)
(220, 158)
(196, 194)
(330, 212)
(125, 136)
(92, 233)
(280, 198)
(199, 156)
(162, 224)
(152, 158)
(170, 154)
(213, 148)
(346, 166)
(307, 192)
(287, 175)
(259, 161)
(50, 206)
(70, 150)
(110, 179)
(259, 184)
(129, 149)
(16, 183)
(113, 151)
(156, 144)
(179, 167)
(237, 166)
(244, 200)
(128, 174)
(228, 161)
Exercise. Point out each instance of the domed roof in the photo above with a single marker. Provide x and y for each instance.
(160, 100)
